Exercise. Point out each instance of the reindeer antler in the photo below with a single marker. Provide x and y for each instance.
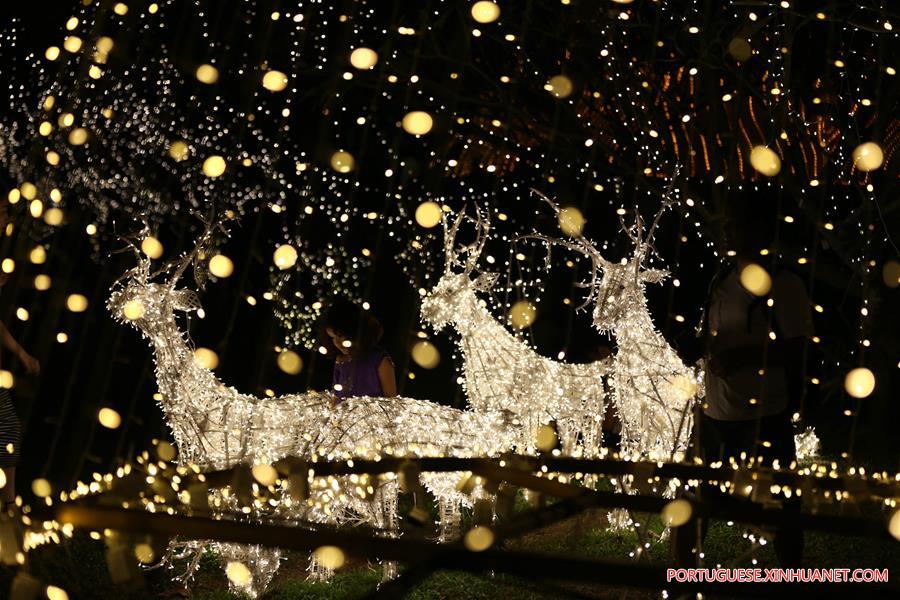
(473, 250)
(143, 263)
(180, 265)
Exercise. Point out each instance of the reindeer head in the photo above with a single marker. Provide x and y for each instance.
(454, 289)
(147, 299)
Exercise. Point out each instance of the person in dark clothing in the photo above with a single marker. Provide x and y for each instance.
(754, 333)
(361, 368)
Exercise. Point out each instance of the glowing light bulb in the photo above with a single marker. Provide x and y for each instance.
(285, 256)
(860, 382)
(152, 247)
(42, 282)
(765, 161)
(428, 214)
(207, 74)
(363, 58)
(77, 303)
(571, 221)
(417, 122)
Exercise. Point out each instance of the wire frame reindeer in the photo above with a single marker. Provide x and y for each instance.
(501, 371)
(216, 426)
(654, 391)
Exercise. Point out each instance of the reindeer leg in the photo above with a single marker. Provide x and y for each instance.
(450, 516)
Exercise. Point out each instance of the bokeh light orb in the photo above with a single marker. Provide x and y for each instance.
(206, 358)
(275, 81)
(571, 221)
(133, 310)
(285, 256)
(221, 266)
(868, 156)
(891, 273)
(522, 314)
(765, 161)
(152, 247)
(676, 513)
(559, 86)
(290, 362)
(214, 166)
(109, 418)
(363, 58)
(546, 438)
(479, 539)
(179, 150)
(342, 161)
(330, 557)
(417, 122)
(485, 11)
(756, 279)
(239, 574)
(77, 303)
(428, 214)
(425, 354)
(860, 382)
(207, 74)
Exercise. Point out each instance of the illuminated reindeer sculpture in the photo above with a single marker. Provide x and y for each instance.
(654, 390)
(501, 372)
(217, 427)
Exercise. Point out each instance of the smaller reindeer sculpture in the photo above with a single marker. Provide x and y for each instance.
(216, 427)
(501, 371)
(654, 390)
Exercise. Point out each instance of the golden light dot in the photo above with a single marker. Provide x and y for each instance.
(206, 358)
(560, 86)
(152, 247)
(104, 44)
(166, 451)
(275, 81)
(428, 214)
(153, 8)
(264, 474)
(363, 58)
(133, 310)
(522, 314)
(52, 53)
(109, 418)
(8, 265)
(62, 337)
(52, 158)
(765, 161)
(859, 382)
(290, 362)
(42, 282)
(53, 216)
(676, 513)
(2, 479)
(56, 593)
(214, 166)
(7, 381)
(14, 195)
(144, 553)
(342, 161)
(120, 9)
(78, 136)
(330, 557)
(36, 208)
(756, 279)
(95, 72)
(425, 354)
(545, 438)
(890, 272)
(417, 122)
(571, 221)
(72, 44)
(285, 256)
(238, 574)
(41, 488)
(49, 102)
(29, 190)
(55, 195)
(66, 120)
(894, 525)
(868, 156)
(221, 266)
(207, 73)
(179, 150)
(479, 539)
(485, 11)
(77, 303)
(38, 255)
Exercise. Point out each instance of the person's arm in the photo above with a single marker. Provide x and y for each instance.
(388, 380)
(31, 364)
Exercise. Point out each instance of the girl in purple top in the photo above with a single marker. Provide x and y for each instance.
(361, 368)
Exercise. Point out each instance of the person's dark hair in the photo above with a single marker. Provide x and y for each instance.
(354, 323)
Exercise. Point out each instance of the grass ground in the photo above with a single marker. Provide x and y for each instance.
(79, 566)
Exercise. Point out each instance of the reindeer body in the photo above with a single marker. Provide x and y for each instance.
(502, 372)
(217, 427)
